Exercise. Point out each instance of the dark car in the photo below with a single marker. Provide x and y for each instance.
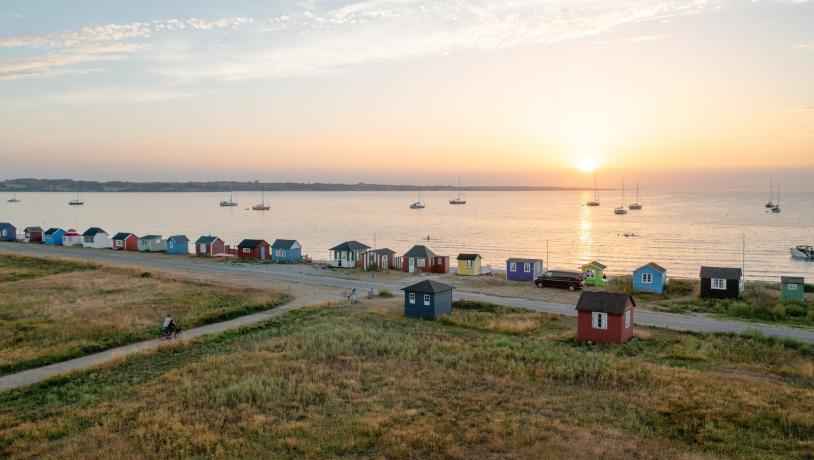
(560, 279)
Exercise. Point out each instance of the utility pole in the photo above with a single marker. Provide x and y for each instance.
(547, 259)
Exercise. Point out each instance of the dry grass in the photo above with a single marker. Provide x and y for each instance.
(59, 316)
(367, 382)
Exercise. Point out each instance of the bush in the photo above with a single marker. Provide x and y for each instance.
(621, 284)
(808, 288)
(146, 275)
(385, 293)
(679, 286)
(796, 309)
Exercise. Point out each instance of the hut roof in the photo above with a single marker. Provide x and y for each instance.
(596, 264)
(605, 302)
(652, 265)
(53, 230)
(122, 236)
(468, 256)
(721, 272)
(792, 280)
(522, 260)
(93, 231)
(33, 229)
(428, 287)
(209, 239)
(283, 244)
(251, 244)
(179, 238)
(350, 246)
(149, 237)
(419, 251)
(383, 252)
(72, 232)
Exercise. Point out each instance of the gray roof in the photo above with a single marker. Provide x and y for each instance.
(33, 229)
(251, 244)
(350, 246)
(179, 238)
(383, 251)
(4, 224)
(206, 239)
(283, 244)
(93, 231)
(149, 237)
(597, 265)
(792, 280)
(468, 256)
(419, 251)
(428, 287)
(721, 272)
(654, 266)
(605, 302)
(521, 260)
(53, 230)
(122, 235)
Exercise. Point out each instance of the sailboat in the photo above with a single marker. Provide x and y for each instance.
(263, 206)
(770, 204)
(76, 201)
(776, 207)
(418, 204)
(621, 209)
(638, 204)
(13, 199)
(595, 201)
(459, 199)
(230, 202)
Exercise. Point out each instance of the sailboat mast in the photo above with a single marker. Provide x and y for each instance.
(595, 191)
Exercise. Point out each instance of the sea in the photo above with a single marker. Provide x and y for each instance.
(680, 230)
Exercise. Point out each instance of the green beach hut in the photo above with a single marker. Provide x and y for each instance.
(792, 287)
(594, 274)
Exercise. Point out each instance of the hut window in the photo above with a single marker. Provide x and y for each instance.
(470, 263)
(412, 297)
(599, 320)
(792, 287)
(590, 274)
(527, 267)
(172, 244)
(513, 267)
(247, 250)
(647, 278)
(627, 319)
(426, 299)
(419, 262)
(718, 283)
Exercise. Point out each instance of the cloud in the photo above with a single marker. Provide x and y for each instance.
(52, 65)
(803, 46)
(117, 94)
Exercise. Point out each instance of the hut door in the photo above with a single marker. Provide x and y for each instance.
(384, 262)
(262, 253)
(412, 265)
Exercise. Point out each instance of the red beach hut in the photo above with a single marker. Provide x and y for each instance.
(605, 317)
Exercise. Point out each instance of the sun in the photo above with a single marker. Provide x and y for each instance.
(587, 163)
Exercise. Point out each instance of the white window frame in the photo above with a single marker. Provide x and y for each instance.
(717, 284)
(512, 266)
(172, 244)
(526, 267)
(470, 264)
(590, 273)
(627, 318)
(420, 263)
(791, 286)
(426, 300)
(599, 320)
(247, 251)
(411, 298)
(647, 278)
(119, 242)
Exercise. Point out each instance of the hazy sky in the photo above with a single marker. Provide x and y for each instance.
(707, 93)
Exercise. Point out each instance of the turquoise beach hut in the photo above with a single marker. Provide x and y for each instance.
(178, 244)
(53, 236)
(289, 251)
(8, 232)
(650, 278)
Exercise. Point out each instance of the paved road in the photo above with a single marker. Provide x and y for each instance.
(306, 275)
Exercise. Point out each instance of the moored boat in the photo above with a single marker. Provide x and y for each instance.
(595, 201)
(802, 252)
(621, 208)
(230, 202)
(262, 206)
(418, 204)
(459, 199)
(638, 204)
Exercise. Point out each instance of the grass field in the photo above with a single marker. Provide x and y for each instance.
(486, 382)
(56, 310)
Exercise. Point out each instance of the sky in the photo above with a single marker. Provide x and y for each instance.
(678, 93)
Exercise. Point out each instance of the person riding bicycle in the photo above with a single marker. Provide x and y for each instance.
(169, 325)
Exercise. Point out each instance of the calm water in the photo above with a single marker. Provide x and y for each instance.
(680, 230)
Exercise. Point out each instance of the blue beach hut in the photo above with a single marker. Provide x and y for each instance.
(178, 244)
(428, 299)
(286, 251)
(8, 232)
(53, 236)
(523, 269)
(651, 278)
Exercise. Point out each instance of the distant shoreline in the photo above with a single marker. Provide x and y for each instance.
(69, 185)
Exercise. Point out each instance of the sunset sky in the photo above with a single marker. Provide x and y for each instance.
(716, 93)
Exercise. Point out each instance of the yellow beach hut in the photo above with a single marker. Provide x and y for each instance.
(469, 264)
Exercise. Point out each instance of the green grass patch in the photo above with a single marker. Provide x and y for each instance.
(15, 268)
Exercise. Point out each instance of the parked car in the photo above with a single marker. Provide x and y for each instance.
(560, 279)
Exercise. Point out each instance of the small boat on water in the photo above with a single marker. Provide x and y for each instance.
(776, 207)
(595, 201)
(263, 206)
(76, 201)
(621, 208)
(13, 199)
(418, 204)
(638, 204)
(803, 252)
(459, 199)
(770, 204)
(230, 202)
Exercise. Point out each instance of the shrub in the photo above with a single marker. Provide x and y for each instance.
(385, 293)
(621, 284)
(796, 309)
(146, 275)
(808, 287)
(679, 286)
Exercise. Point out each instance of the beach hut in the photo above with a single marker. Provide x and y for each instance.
(254, 250)
(32, 235)
(54, 236)
(125, 241)
(650, 278)
(177, 244)
(152, 243)
(428, 299)
(289, 251)
(8, 232)
(593, 273)
(518, 269)
(72, 238)
(721, 282)
(209, 246)
(605, 317)
(381, 259)
(792, 287)
(469, 264)
(349, 254)
(96, 238)
(421, 259)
